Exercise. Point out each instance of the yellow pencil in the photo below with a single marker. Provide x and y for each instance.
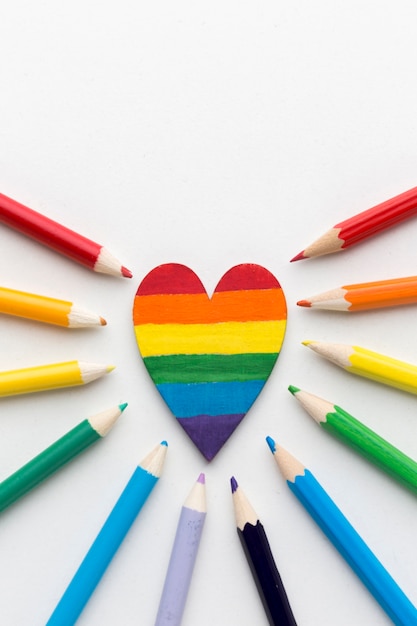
(52, 376)
(46, 309)
(363, 362)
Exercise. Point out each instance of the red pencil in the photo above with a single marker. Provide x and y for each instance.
(59, 238)
(363, 225)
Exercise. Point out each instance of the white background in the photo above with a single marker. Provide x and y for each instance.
(208, 134)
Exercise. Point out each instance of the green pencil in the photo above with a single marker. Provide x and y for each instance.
(352, 432)
(52, 458)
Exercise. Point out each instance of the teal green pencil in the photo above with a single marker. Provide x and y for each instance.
(60, 452)
(355, 434)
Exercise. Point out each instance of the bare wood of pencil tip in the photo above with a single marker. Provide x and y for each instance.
(329, 300)
(244, 512)
(92, 371)
(154, 461)
(80, 318)
(103, 422)
(196, 499)
(326, 244)
(315, 406)
(337, 353)
(288, 465)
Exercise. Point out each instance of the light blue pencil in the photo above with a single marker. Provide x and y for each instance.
(345, 538)
(109, 538)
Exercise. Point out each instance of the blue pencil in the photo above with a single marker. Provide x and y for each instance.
(345, 538)
(109, 538)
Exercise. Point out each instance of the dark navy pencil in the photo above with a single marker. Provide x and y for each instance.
(261, 561)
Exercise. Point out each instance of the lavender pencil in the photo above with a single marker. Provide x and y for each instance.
(183, 556)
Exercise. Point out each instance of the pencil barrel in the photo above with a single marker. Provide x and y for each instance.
(48, 232)
(46, 463)
(354, 550)
(180, 568)
(103, 549)
(266, 576)
(34, 307)
(40, 378)
(372, 446)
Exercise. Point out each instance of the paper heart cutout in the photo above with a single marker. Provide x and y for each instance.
(209, 358)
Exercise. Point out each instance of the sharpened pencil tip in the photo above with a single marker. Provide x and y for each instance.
(202, 478)
(110, 368)
(307, 342)
(103, 321)
(126, 273)
(164, 443)
(293, 389)
(298, 257)
(271, 444)
(305, 303)
(122, 406)
(233, 484)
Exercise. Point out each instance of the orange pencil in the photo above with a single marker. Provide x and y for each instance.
(363, 296)
(363, 225)
(46, 309)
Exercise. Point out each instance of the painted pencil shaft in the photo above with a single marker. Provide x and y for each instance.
(365, 296)
(369, 364)
(355, 434)
(363, 225)
(59, 238)
(110, 537)
(258, 553)
(267, 579)
(55, 456)
(345, 538)
(47, 377)
(45, 309)
(183, 556)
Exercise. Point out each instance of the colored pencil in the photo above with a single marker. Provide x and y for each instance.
(363, 296)
(261, 561)
(209, 357)
(363, 225)
(351, 431)
(52, 376)
(364, 362)
(109, 538)
(345, 538)
(56, 455)
(59, 238)
(46, 309)
(183, 557)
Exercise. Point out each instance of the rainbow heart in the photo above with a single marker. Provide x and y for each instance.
(209, 358)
